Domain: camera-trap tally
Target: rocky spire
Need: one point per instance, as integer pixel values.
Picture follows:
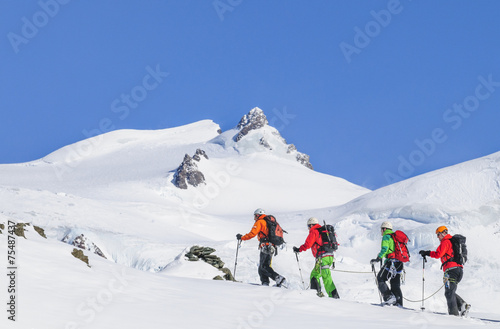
(255, 119)
(188, 172)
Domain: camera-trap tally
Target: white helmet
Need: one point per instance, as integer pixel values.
(259, 212)
(312, 221)
(386, 225)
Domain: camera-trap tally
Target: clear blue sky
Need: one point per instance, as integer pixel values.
(373, 91)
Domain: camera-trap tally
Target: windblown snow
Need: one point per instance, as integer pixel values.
(116, 190)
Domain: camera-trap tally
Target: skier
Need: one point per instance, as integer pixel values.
(453, 272)
(266, 248)
(324, 259)
(391, 270)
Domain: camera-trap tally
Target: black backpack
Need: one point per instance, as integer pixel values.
(329, 238)
(275, 231)
(459, 250)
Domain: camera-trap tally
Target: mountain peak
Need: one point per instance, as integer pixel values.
(267, 137)
(255, 119)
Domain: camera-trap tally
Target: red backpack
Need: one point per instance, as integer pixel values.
(400, 249)
(275, 231)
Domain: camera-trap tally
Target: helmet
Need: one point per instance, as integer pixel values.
(259, 212)
(312, 221)
(441, 229)
(386, 225)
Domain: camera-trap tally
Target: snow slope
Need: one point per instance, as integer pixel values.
(120, 183)
(117, 190)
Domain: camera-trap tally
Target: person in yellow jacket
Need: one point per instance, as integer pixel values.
(267, 250)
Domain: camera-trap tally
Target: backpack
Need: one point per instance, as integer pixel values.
(459, 249)
(329, 238)
(400, 248)
(275, 236)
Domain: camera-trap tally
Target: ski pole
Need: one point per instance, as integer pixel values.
(300, 270)
(236, 259)
(376, 283)
(424, 260)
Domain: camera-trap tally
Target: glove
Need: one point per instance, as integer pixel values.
(295, 249)
(424, 253)
(376, 260)
(238, 236)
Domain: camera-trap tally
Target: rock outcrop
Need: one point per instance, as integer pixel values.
(205, 253)
(303, 159)
(40, 231)
(188, 172)
(256, 119)
(78, 253)
(82, 242)
(20, 228)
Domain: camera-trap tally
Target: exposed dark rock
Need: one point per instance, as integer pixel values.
(264, 143)
(255, 119)
(205, 254)
(304, 160)
(84, 243)
(192, 258)
(78, 253)
(40, 231)
(200, 153)
(19, 229)
(188, 173)
(218, 277)
(227, 274)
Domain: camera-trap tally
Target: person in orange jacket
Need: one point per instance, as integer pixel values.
(453, 272)
(267, 250)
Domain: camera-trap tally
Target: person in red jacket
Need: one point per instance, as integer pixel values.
(453, 272)
(267, 250)
(324, 260)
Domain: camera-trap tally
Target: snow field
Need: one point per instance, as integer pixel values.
(116, 190)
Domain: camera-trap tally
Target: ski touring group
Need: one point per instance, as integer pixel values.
(452, 251)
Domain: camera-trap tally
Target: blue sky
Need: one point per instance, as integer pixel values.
(373, 91)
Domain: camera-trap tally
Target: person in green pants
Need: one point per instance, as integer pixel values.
(324, 259)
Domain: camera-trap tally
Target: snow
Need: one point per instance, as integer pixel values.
(116, 189)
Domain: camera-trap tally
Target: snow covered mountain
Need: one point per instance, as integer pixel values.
(123, 183)
(115, 197)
